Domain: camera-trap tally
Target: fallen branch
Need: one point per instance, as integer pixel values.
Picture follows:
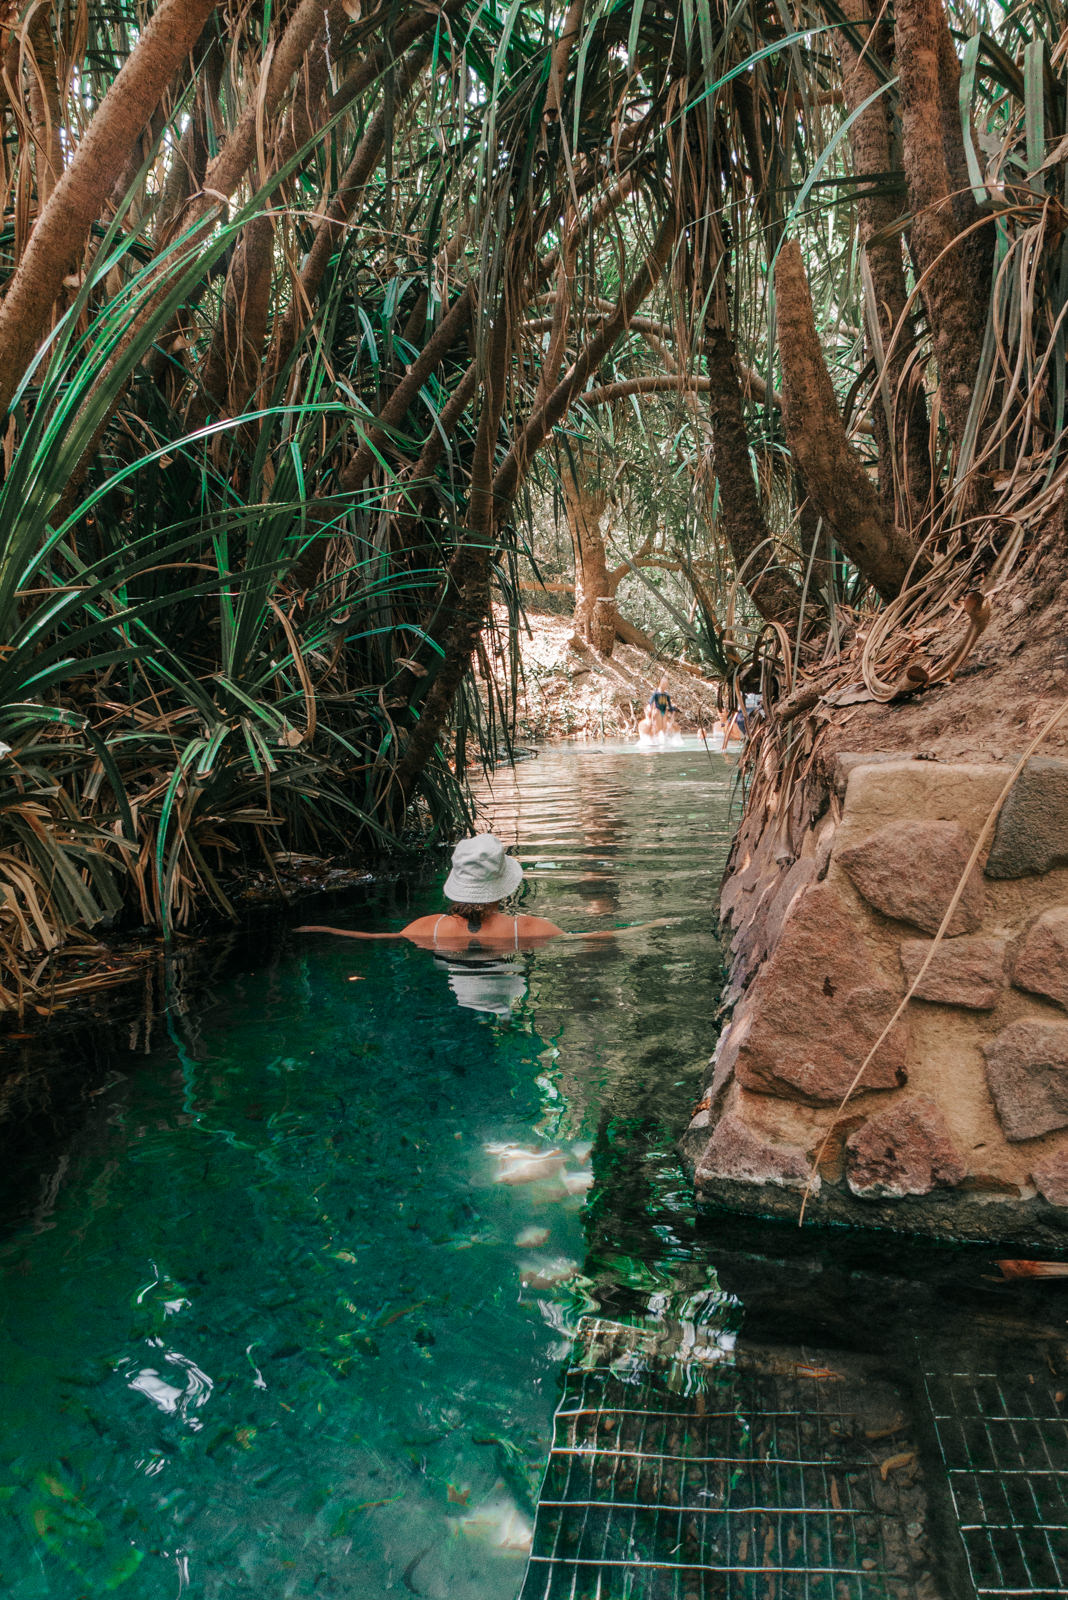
(796, 704)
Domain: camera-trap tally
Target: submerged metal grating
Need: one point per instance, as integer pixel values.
(678, 1477)
(1004, 1445)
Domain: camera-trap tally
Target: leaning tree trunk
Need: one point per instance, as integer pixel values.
(60, 234)
(466, 606)
(242, 323)
(901, 422)
(47, 118)
(771, 588)
(815, 548)
(596, 616)
(836, 479)
(194, 148)
(955, 292)
(234, 363)
(330, 229)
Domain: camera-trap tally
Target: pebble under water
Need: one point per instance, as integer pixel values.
(287, 1313)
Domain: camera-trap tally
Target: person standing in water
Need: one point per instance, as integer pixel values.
(646, 731)
(659, 706)
(482, 875)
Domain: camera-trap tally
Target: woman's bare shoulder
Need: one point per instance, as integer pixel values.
(538, 928)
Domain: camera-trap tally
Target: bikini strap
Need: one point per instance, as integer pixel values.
(437, 925)
(517, 933)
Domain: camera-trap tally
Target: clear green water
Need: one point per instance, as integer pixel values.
(272, 1327)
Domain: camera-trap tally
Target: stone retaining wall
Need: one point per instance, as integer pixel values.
(960, 1125)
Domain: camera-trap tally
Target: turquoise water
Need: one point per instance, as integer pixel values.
(274, 1325)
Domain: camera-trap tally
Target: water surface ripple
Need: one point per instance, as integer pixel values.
(288, 1315)
(281, 1321)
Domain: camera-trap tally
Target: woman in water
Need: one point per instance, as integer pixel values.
(659, 706)
(482, 875)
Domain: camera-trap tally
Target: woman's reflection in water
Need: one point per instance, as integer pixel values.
(602, 826)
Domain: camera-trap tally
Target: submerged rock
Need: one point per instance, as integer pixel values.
(547, 1274)
(498, 1522)
(517, 1164)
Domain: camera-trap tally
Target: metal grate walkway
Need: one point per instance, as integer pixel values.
(683, 1470)
(1004, 1445)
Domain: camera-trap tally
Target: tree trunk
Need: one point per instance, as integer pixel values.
(903, 428)
(467, 587)
(233, 366)
(44, 105)
(541, 423)
(954, 292)
(244, 313)
(194, 148)
(771, 588)
(438, 345)
(305, 28)
(467, 591)
(60, 234)
(815, 544)
(627, 633)
(837, 481)
(225, 172)
(595, 587)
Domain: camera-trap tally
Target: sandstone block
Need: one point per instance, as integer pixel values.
(1032, 829)
(736, 887)
(906, 1149)
(1051, 1178)
(988, 1183)
(963, 972)
(794, 882)
(848, 761)
(736, 1151)
(1041, 963)
(824, 846)
(878, 792)
(815, 1009)
(909, 871)
(1027, 1070)
(731, 1041)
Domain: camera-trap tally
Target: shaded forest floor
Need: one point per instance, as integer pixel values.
(568, 691)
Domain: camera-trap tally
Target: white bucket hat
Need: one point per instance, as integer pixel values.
(481, 872)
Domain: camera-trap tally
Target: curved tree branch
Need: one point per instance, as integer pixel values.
(62, 230)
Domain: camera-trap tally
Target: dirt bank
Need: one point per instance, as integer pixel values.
(568, 691)
(1013, 680)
